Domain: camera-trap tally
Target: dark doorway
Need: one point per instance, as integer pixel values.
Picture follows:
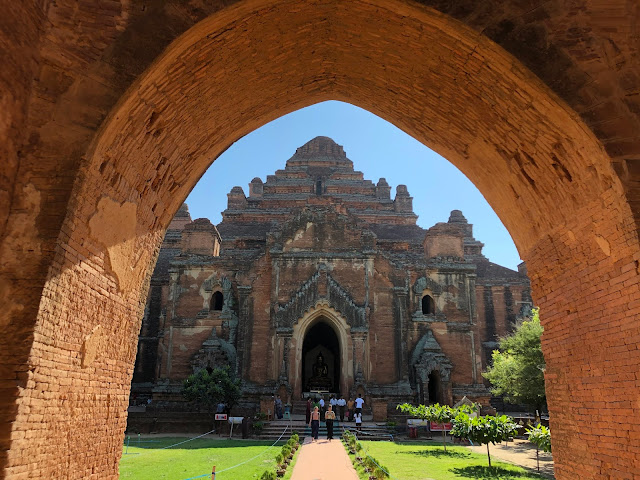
(217, 301)
(321, 359)
(428, 305)
(434, 388)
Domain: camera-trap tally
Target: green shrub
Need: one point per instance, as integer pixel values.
(380, 473)
(279, 459)
(268, 475)
(540, 436)
(286, 451)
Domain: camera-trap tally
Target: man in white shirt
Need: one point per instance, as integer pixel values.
(359, 404)
(341, 404)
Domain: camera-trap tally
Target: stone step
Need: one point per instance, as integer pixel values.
(364, 434)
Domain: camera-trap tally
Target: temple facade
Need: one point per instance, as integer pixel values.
(319, 280)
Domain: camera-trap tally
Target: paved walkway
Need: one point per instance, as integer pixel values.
(519, 452)
(323, 460)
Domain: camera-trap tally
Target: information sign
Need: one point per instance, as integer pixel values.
(438, 427)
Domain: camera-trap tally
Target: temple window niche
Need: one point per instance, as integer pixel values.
(428, 305)
(319, 186)
(217, 300)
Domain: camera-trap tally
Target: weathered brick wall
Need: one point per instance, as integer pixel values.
(74, 266)
(382, 324)
(590, 307)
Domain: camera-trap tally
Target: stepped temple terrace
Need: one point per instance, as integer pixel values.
(320, 281)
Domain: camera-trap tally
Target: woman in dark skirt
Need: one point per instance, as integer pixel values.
(308, 412)
(315, 423)
(329, 417)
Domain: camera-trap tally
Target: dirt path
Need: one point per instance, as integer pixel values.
(323, 460)
(518, 452)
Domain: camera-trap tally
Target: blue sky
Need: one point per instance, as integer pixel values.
(378, 149)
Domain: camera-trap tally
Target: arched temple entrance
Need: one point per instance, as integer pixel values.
(101, 156)
(321, 359)
(322, 331)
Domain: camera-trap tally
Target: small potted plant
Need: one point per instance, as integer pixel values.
(281, 467)
(358, 450)
(286, 453)
(268, 475)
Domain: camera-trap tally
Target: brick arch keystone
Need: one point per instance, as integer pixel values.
(540, 167)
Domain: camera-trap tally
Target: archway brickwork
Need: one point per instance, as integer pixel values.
(78, 110)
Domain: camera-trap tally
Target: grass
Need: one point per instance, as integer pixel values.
(147, 462)
(420, 461)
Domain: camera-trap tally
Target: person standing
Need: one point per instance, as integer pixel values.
(308, 412)
(278, 407)
(350, 409)
(321, 408)
(329, 417)
(358, 416)
(359, 404)
(315, 423)
(341, 404)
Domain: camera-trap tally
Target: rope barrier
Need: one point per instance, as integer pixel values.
(175, 444)
(246, 461)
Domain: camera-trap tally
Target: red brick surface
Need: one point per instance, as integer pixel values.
(72, 297)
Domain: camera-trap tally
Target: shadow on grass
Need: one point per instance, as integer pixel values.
(437, 453)
(489, 473)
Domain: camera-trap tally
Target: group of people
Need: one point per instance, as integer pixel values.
(321, 411)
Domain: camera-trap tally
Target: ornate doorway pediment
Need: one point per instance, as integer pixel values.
(320, 288)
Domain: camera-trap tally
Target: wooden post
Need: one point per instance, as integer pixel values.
(213, 473)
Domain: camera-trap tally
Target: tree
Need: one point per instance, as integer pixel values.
(208, 389)
(433, 413)
(518, 366)
(484, 430)
(540, 436)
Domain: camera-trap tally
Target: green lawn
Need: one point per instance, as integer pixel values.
(420, 461)
(196, 458)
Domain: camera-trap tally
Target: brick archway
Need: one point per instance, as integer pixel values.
(542, 169)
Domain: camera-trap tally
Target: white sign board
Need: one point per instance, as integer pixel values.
(417, 422)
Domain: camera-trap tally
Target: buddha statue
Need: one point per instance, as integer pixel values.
(320, 379)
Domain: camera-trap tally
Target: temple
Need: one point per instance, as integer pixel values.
(320, 281)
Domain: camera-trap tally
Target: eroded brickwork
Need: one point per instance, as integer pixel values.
(437, 73)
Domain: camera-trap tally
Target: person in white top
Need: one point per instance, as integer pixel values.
(359, 404)
(341, 404)
(358, 418)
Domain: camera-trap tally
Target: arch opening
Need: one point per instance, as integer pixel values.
(217, 301)
(428, 305)
(321, 362)
(557, 194)
(435, 388)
